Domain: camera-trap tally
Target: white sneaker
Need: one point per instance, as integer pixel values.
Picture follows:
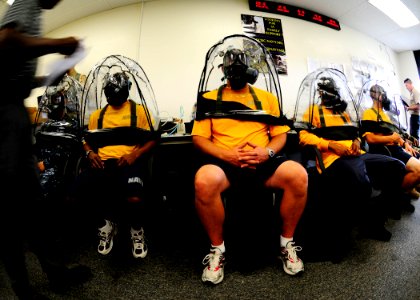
(292, 264)
(139, 244)
(214, 270)
(106, 236)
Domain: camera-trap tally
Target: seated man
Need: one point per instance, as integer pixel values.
(117, 173)
(398, 147)
(350, 173)
(236, 149)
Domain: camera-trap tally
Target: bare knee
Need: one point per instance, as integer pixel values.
(209, 182)
(293, 177)
(413, 167)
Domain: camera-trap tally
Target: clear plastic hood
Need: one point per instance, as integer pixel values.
(59, 108)
(380, 110)
(141, 91)
(327, 87)
(246, 60)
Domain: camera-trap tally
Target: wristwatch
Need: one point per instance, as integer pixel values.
(87, 152)
(271, 153)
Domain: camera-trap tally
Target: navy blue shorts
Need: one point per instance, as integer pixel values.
(243, 176)
(112, 183)
(399, 153)
(128, 180)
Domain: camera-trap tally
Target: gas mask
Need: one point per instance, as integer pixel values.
(57, 106)
(237, 70)
(330, 95)
(378, 93)
(116, 88)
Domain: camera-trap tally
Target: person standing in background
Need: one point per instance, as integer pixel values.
(81, 78)
(23, 215)
(413, 108)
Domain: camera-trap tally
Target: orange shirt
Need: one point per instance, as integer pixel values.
(371, 114)
(331, 119)
(229, 133)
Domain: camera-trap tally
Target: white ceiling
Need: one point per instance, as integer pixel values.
(357, 14)
(362, 16)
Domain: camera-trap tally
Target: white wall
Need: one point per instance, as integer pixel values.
(170, 39)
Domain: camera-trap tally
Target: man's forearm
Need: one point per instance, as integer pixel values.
(16, 43)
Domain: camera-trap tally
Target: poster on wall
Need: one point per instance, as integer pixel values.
(269, 32)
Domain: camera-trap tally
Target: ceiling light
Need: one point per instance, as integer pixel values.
(397, 11)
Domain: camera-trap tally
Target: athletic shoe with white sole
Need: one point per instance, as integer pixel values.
(106, 237)
(292, 264)
(139, 243)
(214, 270)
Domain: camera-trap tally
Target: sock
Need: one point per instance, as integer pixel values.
(284, 241)
(220, 247)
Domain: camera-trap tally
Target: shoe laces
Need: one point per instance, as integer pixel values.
(214, 260)
(291, 252)
(105, 233)
(137, 236)
(103, 237)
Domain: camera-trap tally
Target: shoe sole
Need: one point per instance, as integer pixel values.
(143, 255)
(205, 280)
(106, 252)
(287, 271)
(213, 282)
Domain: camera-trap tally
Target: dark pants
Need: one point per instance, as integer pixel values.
(349, 182)
(107, 191)
(414, 126)
(23, 215)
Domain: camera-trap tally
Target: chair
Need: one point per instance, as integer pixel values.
(317, 218)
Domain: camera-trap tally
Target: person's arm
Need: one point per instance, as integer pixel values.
(17, 44)
(208, 147)
(393, 139)
(415, 97)
(138, 151)
(233, 156)
(277, 142)
(414, 107)
(409, 149)
(93, 157)
(307, 138)
(258, 154)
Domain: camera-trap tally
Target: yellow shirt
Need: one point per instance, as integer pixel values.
(372, 115)
(331, 119)
(118, 117)
(229, 133)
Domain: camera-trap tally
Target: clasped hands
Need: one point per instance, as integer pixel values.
(248, 155)
(342, 150)
(125, 160)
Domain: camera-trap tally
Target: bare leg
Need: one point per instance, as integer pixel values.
(210, 182)
(292, 178)
(412, 178)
